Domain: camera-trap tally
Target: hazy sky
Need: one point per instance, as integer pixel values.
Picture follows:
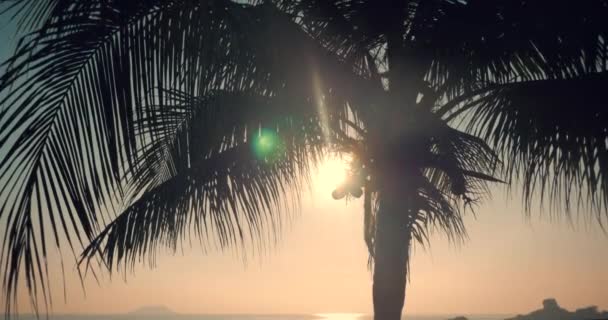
(508, 265)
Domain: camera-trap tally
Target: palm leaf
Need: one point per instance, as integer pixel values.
(203, 176)
(504, 41)
(551, 134)
(75, 93)
(230, 197)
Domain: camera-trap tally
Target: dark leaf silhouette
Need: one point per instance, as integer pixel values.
(126, 126)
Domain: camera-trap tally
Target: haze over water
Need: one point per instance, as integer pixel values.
(325, 316)
(508, 266)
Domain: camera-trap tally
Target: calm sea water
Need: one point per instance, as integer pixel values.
(327, 316)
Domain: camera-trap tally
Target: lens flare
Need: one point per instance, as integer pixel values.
(266, 145)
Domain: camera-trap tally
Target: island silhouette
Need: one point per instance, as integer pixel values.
(552, 311)
(153, 310)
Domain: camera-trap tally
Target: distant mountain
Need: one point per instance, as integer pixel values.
(153, 310)
(552, 311)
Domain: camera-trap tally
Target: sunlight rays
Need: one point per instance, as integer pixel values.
(321, 107)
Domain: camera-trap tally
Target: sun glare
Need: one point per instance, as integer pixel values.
(331, 173)
(340, 316)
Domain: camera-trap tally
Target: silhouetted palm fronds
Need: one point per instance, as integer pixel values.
(127, 125)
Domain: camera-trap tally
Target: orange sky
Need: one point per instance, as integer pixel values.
(507, 266)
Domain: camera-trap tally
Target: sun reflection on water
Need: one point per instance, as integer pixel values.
(341, 316)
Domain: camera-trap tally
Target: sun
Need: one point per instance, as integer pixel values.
(330, 174)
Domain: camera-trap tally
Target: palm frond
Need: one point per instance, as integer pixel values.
(31, 14)
(75, 91)
(552, 134)
(193, 128)
(506, 41)
(352, 28)
(453, 175)
(461, 164)
(231, 198)
(522, 76)
(204, 177)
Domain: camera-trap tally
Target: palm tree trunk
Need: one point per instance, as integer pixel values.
(391, 254)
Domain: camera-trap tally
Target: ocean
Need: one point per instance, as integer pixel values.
(324, 316)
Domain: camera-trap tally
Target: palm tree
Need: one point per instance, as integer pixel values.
(130, 125)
